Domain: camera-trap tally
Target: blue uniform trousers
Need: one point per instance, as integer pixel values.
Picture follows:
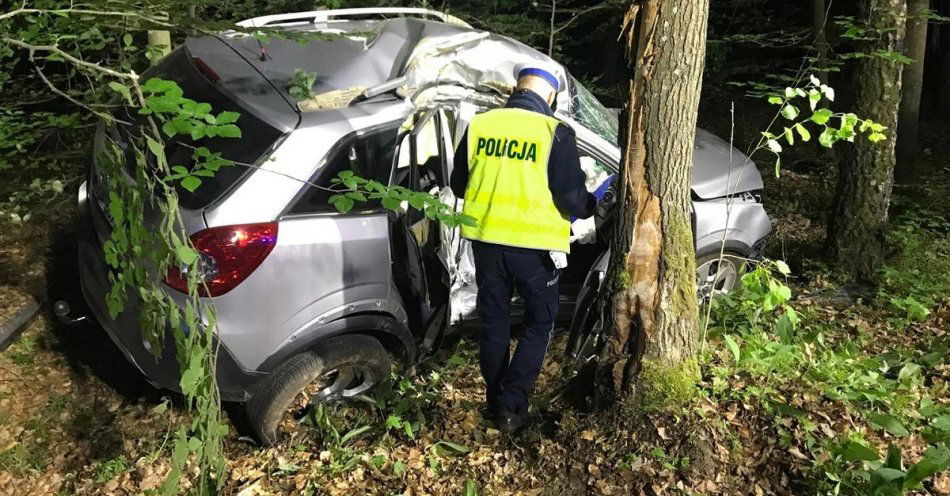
(499, 270)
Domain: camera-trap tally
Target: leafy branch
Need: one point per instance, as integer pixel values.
(813, 94)
(393, 198)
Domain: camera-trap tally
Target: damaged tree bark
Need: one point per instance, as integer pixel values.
(650, 308)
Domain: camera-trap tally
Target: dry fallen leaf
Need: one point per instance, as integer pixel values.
(797, 453)
(587, 435)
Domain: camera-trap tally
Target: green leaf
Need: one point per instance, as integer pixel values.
(399, 468)
(186, 254)
(391, 203)
(229, 131)
(821, 116)
(127, 39)
(191, 183)
(790, 92)
(942, 423)
(877, 137)
(470, 488)
(829, 92)
(456, 447)
(155, 147)
(774, 146)
(789, 136)
(936, 459)
(778, 165)
(227, 117)
(354, 433)
(803, 132)
(467, 220)
(856, 452)
(417, 201)
(889, 474)
(782, 267)
(827, 138)
(121, 89)
(888, 423)
(776, 100)
(733, 347)
(790, 112)
(168, 127)
(342, 203)
(393, 422)
(813, 98)
(909, 370)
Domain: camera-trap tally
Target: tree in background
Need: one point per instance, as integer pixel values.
(855, 238)
(819, 17)
(651, 303)
(915, 48)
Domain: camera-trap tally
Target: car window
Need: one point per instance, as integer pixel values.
(369, 156)
(587, 110)
(428, 149)
(257, 136)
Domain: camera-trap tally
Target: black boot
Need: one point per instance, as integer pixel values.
(507, 422)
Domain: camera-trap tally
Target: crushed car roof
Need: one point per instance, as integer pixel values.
(357, 53)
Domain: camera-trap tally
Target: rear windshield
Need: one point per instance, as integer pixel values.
(257, 136)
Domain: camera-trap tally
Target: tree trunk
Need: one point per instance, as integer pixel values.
(915, 47)
(819, 27)
(943, 87)
(650, 299)
(855, 235)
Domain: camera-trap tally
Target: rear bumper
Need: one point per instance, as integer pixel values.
(235, 383)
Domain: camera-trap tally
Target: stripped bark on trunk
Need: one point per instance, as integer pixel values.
(650, 299)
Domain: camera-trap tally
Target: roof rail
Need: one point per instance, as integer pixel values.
(322, 16)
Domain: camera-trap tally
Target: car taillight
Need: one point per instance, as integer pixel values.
(227, 256)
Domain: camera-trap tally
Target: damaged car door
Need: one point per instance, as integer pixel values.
(421, 164)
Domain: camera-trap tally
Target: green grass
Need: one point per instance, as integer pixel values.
(23, 351)
(104, 471)
(795, 365)
(24, 459)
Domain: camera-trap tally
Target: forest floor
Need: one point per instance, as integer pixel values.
(792, 414)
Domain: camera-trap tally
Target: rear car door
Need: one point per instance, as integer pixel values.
(326, 265)
(421, 164)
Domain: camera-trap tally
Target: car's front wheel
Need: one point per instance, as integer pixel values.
(717, 274)
(340, 368)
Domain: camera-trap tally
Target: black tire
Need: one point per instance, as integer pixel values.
(283, 395)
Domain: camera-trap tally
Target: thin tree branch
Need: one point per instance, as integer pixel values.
(158, 21)
(63, 94)
(53, 49)
(577, 15)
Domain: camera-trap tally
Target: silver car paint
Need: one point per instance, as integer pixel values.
(329, 265)
(322, 268)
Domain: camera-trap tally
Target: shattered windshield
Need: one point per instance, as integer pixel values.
(592, 114)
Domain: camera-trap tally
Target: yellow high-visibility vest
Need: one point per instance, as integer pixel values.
(507, 191)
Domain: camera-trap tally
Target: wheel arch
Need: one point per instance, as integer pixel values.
(394, 336)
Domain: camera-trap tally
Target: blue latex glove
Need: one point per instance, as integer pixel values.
(600, 191)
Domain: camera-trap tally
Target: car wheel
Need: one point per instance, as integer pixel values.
(715, 274)
(340, 368)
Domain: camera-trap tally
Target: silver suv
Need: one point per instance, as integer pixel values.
(313, 304)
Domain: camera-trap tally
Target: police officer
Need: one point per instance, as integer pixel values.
(518, 170)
